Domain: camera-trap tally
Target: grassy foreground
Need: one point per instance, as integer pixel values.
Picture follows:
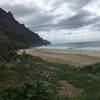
(31, 78)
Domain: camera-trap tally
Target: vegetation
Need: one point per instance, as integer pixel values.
(92, 69)
(88, 83)
(8, 48)
(25, 77)
(33, 90)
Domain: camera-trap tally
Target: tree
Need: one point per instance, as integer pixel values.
(8, 49)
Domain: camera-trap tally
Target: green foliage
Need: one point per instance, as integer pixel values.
(8, 48)
(88, 83)
(14, 72)
(92, 69)
(9, 92)
(34, 90)
(43, 90)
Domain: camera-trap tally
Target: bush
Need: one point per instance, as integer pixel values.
(92, 69)
(8, 48)
(34, 90)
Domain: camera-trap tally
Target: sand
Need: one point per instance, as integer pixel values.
(77, 58)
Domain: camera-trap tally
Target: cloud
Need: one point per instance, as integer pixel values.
(95, 24)
(31, 16)
(20, 10)
(78, 4)
(80, 19)
(39, 20)
(76, 21)
(53, 9)
(53, 16)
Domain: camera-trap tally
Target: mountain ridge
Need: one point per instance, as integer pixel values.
(18, 32)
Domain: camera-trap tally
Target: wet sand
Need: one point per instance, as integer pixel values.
(77, 58)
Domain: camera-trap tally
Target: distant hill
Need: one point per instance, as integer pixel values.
(18, 32)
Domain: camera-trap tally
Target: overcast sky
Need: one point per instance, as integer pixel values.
(58, 20)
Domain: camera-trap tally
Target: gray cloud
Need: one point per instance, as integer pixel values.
(47, 15)
(95, 24)
(96, 27)
(76, 21)
(39, 20)
(20, 10)
(78, 4)
(72, 4)
(33, 15)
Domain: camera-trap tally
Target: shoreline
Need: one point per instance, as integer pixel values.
(76, 58)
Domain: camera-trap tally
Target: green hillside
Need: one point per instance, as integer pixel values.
(25, 77)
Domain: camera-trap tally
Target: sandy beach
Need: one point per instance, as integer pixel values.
(77, 58)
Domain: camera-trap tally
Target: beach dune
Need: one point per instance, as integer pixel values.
(77, 58)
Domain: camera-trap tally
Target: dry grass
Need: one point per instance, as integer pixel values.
(68, 89)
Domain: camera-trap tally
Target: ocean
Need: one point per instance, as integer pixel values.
(92, 45)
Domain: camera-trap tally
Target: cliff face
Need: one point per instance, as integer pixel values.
(18, 32)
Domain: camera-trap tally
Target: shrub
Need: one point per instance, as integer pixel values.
(34, 90)
(92, 69)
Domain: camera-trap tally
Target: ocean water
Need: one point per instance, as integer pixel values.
(93, 45)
